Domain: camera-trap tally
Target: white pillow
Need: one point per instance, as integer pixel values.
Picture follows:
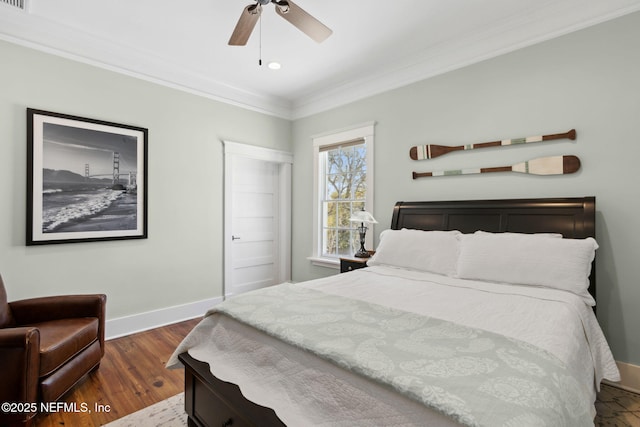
(432, 251)
(528, 259)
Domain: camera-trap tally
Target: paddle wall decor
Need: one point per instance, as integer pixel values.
(430, 151)
(554, 165)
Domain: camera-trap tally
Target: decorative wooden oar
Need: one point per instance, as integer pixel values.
(556, 165)
(422, 152)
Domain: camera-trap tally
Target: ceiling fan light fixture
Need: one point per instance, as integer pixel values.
(273, 65)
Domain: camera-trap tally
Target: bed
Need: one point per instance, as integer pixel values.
(242, 370)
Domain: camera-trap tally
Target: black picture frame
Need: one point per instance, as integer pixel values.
(86, 179)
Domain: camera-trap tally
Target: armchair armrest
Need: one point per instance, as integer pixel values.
(19, 365)
(19, 338)
(36, 310)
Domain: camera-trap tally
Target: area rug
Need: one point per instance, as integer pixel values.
(168, 413)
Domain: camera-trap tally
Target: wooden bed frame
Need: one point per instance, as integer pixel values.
(212, 402)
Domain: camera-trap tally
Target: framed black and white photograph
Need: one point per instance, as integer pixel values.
(86, 179)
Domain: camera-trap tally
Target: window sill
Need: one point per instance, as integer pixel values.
(325, 262)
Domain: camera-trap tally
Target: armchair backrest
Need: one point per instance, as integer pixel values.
(6, 319)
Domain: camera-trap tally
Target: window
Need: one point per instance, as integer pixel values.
(343, 172)
(343, 183)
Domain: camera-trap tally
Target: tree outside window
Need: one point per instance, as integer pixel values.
(343, 166)
(345, 170)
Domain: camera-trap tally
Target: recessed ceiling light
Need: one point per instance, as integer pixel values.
(274, 65)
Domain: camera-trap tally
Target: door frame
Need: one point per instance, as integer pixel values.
(284, 160)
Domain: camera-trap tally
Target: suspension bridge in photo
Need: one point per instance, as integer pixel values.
(131, 175)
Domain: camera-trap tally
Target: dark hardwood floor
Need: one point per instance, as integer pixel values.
(132, 376)
(617, 407)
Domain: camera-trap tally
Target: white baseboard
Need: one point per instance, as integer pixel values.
(630, 377)
(128, 325)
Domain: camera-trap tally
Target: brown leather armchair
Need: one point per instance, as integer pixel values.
(46, 346)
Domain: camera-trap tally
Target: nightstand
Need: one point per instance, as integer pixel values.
(350, 264)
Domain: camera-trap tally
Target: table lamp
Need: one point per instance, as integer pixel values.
(362, 217)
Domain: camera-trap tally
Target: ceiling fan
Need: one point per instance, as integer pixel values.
(285, 8)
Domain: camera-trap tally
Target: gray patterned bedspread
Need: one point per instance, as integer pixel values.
(476, 377)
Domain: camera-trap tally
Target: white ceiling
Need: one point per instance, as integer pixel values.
(376, 45)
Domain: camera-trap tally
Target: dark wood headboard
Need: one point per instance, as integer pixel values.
(572, 217)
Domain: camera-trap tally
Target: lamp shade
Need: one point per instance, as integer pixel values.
(362, 216)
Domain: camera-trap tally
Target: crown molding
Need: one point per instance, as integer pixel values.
(516, 34)
(547, 20)
(45, 35)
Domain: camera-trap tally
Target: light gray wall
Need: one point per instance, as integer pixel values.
(181, 261)
(588, 80)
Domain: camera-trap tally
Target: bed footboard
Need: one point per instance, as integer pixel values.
(211, 402)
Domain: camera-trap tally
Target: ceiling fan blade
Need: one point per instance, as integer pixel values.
(245, 25)
(304, 22)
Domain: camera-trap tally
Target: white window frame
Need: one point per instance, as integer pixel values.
(365, 132)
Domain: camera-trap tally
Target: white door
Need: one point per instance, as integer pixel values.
(257, 222)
